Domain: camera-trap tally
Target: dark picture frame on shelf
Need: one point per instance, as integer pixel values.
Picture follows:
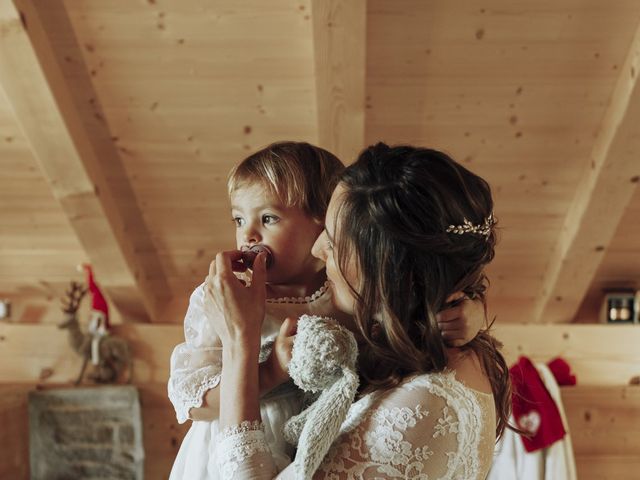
(621, 307)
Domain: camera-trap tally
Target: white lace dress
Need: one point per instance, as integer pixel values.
(429, 427)
(195, 368)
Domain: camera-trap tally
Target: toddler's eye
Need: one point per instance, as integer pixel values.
(329, 245)
(239, 221)
(269, 219)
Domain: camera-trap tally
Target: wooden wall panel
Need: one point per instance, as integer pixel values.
(516, 91)
(340, 42)
(14, 434)
(38, 248)
(41, 353)
(620, 267)
(188, 90)
(162, 433)
(605, 426)
(604, 420)
(74, 149)
(603, 194)
(598, 354)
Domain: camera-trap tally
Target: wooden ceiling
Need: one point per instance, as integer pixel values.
(120, 119)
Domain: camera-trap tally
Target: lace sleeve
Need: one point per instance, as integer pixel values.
(429, 428)
(195, 364)
(242, 453)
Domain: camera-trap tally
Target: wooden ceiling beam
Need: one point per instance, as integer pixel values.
(339, 40)
(68, 134)
(603, 194)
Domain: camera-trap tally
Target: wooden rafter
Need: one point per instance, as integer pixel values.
(68, 134)
(600, 201)
(339, 38)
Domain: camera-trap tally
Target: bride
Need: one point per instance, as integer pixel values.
(405, 228)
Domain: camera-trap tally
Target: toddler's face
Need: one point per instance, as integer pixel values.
(260, 218)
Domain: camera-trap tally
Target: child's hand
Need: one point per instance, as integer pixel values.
(239, 308)
(460, 323)
(277, 365)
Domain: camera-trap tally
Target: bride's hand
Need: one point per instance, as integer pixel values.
(241, 308)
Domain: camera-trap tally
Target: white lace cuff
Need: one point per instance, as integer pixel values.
(188, 392)
(236, 447)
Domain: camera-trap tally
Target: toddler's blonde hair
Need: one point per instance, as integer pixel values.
(297, 173)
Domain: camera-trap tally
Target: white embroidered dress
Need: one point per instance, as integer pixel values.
(196, 365)
(429, 427)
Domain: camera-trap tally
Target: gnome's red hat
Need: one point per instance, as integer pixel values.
(98, 302)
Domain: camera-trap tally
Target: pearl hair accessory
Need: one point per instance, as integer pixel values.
(323, 360)
(467, 227)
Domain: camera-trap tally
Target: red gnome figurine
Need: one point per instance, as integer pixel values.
(99, 320)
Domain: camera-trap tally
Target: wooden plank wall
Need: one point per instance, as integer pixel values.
(599, 354)
(605, 428)
(14, 438)
(603, 413)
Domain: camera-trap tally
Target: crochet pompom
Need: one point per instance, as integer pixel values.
(322, 349)
(323, 359)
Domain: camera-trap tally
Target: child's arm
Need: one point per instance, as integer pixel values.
(461, 322)
(272, 373)
(210, 409)
(196, 364)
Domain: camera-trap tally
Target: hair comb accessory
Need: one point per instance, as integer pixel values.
(323, 359)
(483, 229)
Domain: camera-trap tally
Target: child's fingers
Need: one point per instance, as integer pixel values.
(456, 297)
(224, 269)
(259, 277)
(238, 266)
(451, 329)
(289, 327)
(449, 315)
(453, 335)
(455, 342)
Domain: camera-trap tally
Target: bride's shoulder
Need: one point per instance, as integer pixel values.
(443, 386)
(468, 369)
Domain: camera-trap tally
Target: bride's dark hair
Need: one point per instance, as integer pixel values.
(397, 206)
